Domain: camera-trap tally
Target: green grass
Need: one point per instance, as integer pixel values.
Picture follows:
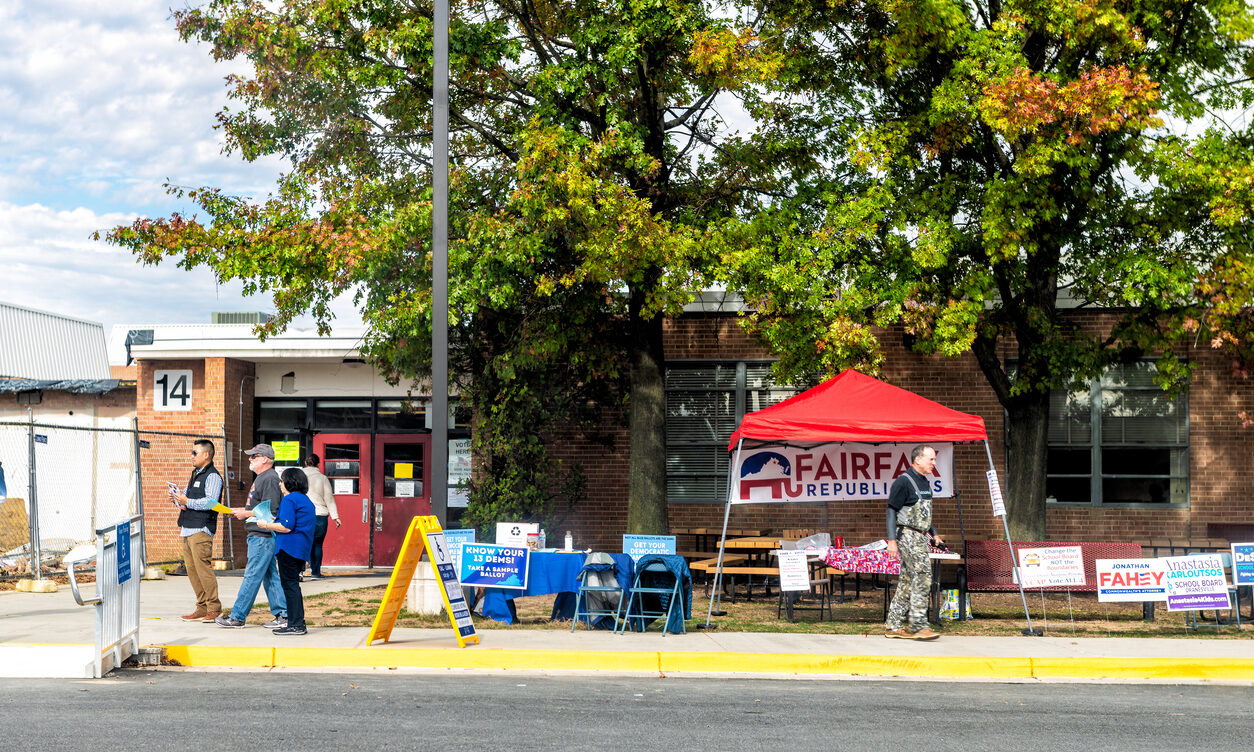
(999, 614)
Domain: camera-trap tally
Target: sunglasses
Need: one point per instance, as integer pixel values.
(196, 452)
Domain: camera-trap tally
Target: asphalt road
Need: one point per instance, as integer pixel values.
(171, 710)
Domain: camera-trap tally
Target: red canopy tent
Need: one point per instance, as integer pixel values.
(851, 407)
(856, 407)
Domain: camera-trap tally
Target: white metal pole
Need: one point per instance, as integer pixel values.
(1014, 561)
(716, 586)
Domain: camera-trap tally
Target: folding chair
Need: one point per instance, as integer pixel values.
(1195, 619)
(653, 579)
(600, 595)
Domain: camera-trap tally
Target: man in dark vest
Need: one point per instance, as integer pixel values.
(197, 525)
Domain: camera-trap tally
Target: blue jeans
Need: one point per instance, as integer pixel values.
(320, 534)
(260, 570)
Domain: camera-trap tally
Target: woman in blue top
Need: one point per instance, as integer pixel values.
(294, 525)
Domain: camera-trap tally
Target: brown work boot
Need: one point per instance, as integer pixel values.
(196, 615)
(923, 634)
(898, 633)
(209, 617)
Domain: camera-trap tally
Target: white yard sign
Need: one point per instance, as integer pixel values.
(1058, 566)
(1129, 580)
(794, 573)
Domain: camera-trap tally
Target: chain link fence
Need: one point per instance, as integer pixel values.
(60, 483)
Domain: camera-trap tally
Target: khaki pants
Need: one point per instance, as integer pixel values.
(198, 560)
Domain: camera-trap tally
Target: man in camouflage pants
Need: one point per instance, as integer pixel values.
(909, 521)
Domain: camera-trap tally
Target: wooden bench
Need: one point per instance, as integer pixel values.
(989, 569)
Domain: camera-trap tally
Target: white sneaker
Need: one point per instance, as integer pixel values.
(277, 622)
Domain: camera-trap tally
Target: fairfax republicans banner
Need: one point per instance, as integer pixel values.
(832, 472)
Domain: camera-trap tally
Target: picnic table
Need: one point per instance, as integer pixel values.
(704, 538)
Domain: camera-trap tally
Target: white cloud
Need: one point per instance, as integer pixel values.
(51, 263)
(100, 104)
(105, 102)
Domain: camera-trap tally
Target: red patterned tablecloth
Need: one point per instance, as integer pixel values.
(861, 560)
(871, 562)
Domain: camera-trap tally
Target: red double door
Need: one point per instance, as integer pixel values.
(380, 483)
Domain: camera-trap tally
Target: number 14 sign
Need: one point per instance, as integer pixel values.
(172, 390)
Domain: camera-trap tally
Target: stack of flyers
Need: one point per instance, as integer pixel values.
(262, 513)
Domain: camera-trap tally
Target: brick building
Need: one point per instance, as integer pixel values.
(1126, 461)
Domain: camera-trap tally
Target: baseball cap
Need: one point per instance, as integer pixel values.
(265, 450)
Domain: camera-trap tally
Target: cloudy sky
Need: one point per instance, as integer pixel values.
(100, 105)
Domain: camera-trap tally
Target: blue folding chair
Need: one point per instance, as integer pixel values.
(656, 592)
(600, 594)
(1197, 619)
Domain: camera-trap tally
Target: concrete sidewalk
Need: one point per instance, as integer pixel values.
(47, 633)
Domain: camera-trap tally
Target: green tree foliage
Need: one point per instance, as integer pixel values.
(592, 182)
(987, 161)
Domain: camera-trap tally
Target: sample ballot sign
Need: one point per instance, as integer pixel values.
(426, 535)
(486, 565)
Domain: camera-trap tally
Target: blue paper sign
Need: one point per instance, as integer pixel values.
(455, 540)
(636, 546)
(486, 565)
(124, 551)
(1242, 564)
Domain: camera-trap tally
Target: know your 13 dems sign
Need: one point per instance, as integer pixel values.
(833, 472)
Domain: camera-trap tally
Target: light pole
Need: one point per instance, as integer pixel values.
(439, 269)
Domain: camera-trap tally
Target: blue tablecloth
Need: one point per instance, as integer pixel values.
(548, 572)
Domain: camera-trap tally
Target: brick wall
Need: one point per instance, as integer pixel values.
(214, 409)
(1217, 397)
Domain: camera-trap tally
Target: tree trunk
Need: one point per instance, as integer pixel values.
(1026, 448)
(646, 490)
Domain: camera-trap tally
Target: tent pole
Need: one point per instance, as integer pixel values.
(717, 586)
(1014, 560)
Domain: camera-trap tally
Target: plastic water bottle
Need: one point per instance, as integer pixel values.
(542, 546)
(570, 542)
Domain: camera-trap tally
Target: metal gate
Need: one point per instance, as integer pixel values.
(119, 568)
(63, 482)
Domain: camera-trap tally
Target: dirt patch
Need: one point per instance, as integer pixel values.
(1079, 615)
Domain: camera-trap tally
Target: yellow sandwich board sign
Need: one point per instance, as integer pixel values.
(424, 534)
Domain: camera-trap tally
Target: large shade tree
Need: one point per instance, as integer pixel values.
(593, 179)
(992, 160)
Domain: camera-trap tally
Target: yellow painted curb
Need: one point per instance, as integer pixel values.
(222, 657)
(853, 665)
(956, 667)
(531, 660)
(1241, 669)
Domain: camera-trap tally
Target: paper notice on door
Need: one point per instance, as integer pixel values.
(404, 489)
(403, 470)
(342, 486)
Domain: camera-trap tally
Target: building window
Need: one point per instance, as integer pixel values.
(282, 415)
(704, 404)
(1123, 441)
(342, 415)
(402, 415)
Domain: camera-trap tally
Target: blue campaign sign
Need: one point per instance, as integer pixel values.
(1242, 564)
(636, 546)
(455, 540)
(124, 551)
(486, 565)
